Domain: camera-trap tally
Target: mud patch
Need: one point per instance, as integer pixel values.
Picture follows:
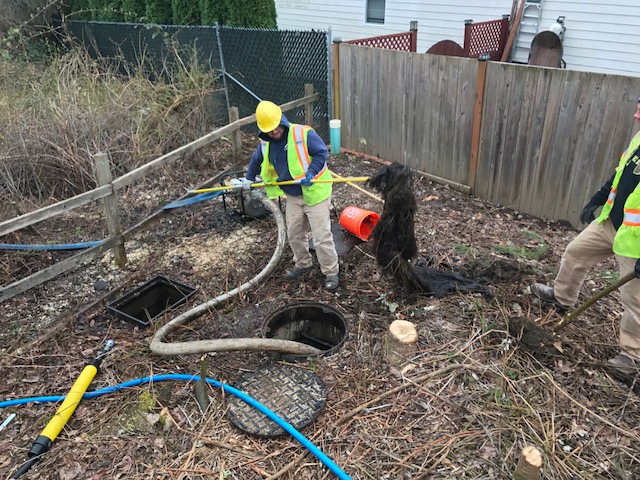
(535, 340)
(492, 270)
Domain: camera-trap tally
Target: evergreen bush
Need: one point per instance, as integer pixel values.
(252, 13)
(238, 13)
(133, 10)
(185, 12)
(159, 12)
(212, 11)
(80, 9)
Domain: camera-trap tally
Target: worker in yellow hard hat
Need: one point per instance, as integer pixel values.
(289, 151)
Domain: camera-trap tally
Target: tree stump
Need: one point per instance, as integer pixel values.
(401, 342)
(529, 465)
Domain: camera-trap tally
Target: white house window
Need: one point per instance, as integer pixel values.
(375, 11)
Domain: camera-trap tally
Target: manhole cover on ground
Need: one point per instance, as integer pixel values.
(294, 394)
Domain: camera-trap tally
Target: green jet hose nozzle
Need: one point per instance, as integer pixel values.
(45, 440)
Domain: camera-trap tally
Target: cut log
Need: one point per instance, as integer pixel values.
(529, 465)
(401, 342)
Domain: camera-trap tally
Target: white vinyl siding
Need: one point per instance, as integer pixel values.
(601, 37)
(439, 20)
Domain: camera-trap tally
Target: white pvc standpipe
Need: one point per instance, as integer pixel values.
(334, 134)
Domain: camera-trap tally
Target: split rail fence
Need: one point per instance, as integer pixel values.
(108, 187)
(539, 140)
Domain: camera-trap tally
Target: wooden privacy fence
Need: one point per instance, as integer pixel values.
(408, 107)
(107, 193)
(539, 140)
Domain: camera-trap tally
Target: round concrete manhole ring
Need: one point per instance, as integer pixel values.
(315, 324)
(296, 395)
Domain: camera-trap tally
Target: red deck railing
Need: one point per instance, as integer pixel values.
(405, 41)
(486, 37)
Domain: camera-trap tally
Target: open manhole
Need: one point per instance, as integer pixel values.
(296, 395)
(151, 300)
(314, 324)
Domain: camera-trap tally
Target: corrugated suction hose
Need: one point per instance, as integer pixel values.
(160, 346)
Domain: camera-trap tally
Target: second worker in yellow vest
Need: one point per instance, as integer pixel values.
(290, 151)
(615, 231)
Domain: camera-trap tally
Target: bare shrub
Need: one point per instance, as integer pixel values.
(14, 13)
(55, 117)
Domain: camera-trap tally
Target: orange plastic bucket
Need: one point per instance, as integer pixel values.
(359, 222)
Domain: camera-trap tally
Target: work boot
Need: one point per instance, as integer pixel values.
(296, 271)
(623, 364)
(332, 282)
(545, 294)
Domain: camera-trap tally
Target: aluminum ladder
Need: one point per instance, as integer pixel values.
(528, 28)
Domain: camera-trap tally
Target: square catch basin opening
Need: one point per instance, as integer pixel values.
(151, 300)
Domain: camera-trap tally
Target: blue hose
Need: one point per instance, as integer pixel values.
(330, 464)
(191, 200)
(77, 246)
(60, 246)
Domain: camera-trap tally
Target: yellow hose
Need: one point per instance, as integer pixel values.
(286, 182)
(60, 419)
(45, 440)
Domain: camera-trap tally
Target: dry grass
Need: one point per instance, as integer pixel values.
(54, 117)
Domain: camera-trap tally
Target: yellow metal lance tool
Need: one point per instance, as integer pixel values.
(46, 438)
(286, 182)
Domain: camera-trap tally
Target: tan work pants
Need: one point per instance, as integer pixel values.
(300, 217)
(593, 245)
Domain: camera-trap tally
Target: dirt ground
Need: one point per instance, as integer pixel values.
(463, 406)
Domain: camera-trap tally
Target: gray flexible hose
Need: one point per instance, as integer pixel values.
(159, 346)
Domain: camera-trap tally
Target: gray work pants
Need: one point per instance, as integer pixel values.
(593, 245)
(300, 217)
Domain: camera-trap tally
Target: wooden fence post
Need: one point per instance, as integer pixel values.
(336, 78)
(308, 107)
(104, 176)
(236, 139)
(413, 28)
(477, 121)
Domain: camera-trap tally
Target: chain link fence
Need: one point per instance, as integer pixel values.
(275, 65)
(252, 64)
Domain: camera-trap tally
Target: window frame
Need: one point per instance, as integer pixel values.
(369, 19)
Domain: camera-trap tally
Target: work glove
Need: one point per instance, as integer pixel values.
(587, 215)
(241, 183)
(638, 268)
(306, 181)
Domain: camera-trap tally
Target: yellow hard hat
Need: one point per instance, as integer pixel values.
(268, 116)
